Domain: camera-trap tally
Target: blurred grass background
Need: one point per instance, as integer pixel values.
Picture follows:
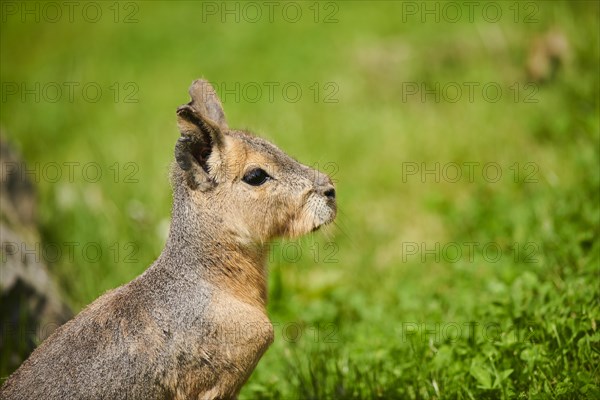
(362, 317)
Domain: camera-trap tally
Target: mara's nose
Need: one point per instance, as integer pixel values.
(325, 186)
(330, 193)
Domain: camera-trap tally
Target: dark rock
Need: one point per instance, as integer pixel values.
(30, 304)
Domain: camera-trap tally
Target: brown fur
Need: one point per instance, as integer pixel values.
(194, 325)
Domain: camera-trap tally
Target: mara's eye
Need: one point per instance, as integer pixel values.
(256, 177)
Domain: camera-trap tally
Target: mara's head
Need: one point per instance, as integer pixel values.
(254, 188)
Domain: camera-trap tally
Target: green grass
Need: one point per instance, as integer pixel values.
(382, 312)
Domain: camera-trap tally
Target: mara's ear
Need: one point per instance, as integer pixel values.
(202, 124)
(206, 102)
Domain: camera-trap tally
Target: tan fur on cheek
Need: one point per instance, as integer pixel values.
(301, 223)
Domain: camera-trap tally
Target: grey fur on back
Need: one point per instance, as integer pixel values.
(194, 324)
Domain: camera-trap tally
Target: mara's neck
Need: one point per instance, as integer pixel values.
(200, 245)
